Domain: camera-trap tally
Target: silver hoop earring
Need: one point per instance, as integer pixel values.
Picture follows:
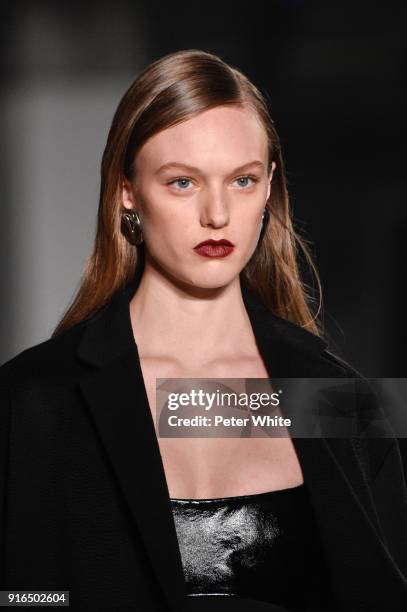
(264, 221)
(131, 227)
(265, 217)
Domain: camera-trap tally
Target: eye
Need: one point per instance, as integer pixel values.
(182, 182)
(243, 180)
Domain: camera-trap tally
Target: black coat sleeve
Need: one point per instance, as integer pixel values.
(4, 438)
(385, 464)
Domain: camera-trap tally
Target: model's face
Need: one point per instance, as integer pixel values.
(201, 179)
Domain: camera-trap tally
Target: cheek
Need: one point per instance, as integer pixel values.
(250, 219)
(167, 229)
(248, 230)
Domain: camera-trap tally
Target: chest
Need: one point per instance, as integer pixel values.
(219, 466)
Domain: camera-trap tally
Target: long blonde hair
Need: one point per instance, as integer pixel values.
(173, 89)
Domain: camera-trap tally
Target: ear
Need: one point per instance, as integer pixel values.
(127, 194)
(273, 167)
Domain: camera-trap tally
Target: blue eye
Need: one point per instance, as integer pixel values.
(181, 181)
(246, 178)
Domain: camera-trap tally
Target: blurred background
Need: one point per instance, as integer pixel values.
(335, 77)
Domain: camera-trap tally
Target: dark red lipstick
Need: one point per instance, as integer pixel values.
(214, 248)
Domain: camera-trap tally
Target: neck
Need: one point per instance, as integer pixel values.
(174, 319)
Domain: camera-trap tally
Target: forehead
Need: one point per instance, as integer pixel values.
(213, 139)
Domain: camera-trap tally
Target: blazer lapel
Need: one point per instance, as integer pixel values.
(115, 393)
(362, 569)
(116, 396)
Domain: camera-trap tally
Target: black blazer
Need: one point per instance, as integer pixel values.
(83, 497)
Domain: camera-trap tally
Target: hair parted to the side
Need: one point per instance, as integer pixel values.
(170, 90)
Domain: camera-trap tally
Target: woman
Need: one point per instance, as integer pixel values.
(94, 500)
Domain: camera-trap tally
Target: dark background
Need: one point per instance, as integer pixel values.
(335, 77)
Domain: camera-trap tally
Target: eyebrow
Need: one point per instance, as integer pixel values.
(180, 165)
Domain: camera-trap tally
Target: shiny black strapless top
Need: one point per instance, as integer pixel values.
(263, 546)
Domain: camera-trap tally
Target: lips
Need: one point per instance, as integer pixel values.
(214, 248)
(211, 241)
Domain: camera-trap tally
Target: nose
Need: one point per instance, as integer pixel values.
(215, 208)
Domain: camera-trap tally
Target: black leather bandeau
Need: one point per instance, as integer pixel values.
(263, 546)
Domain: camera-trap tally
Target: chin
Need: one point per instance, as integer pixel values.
(195, 277)
(212, 281)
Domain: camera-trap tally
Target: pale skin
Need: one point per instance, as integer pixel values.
(188, 314)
